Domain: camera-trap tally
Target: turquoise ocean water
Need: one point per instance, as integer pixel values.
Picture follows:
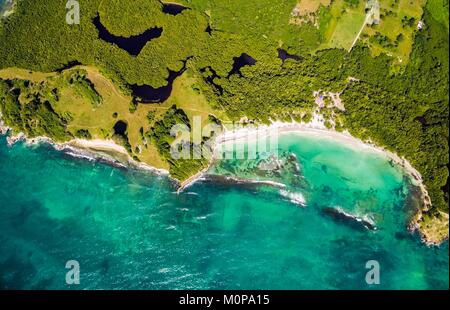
(130, 230)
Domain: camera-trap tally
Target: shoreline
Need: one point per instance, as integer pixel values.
(112, 153)
(314, 128)
(110, 149)
(193, 179)
(97, 149)
(317, 128)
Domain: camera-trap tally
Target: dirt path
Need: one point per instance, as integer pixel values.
(369, 14)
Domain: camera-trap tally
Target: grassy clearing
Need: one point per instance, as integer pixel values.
(340, 23)
(343, 25)
(395, 33)
(187, 96)
(16, 73)
(99, 120)
(347, 29)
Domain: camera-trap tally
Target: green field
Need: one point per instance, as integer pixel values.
(99, 120)
(340, 24)
(393, 36)
(347, 28)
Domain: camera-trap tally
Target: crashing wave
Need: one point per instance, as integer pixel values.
(339, 214)
(80, 155)
(295, 198)
(89, 155)
(192, 194)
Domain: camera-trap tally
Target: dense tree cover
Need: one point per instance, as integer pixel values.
(408, 113)
(33, 114)
(253, 27)
(403, 108)
(84, 87)
(145, 14)
(50, 43)
(439, 10)
(264, 21)
(162, 136)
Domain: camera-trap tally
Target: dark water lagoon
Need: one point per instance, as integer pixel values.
(173, 8)
(148, 94)
(134, 44)
(240, 62)
(284, 55)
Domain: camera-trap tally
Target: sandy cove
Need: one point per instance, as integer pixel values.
(318, 129)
